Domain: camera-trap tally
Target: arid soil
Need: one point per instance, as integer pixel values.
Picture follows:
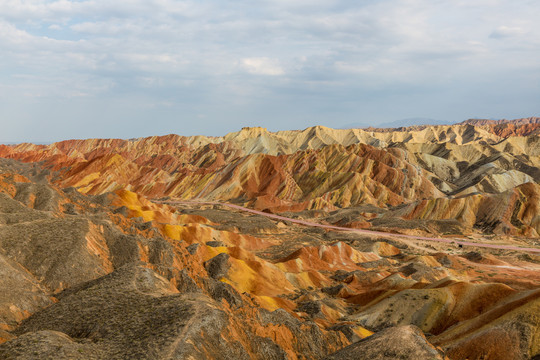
(128, 249)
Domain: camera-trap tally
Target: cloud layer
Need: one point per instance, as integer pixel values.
(141, 67)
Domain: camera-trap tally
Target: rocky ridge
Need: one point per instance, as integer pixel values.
(317, 168)
(103, 271)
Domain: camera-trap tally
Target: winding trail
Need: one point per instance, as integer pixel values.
(362, 231)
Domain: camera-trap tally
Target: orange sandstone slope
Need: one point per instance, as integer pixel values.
(151, 165)
(98, 272)
(314, 179)
(449, 168)
(323, 178)
(514, 212)
(507, 128)
(91, 282)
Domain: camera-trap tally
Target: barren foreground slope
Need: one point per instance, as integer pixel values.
(108, 251)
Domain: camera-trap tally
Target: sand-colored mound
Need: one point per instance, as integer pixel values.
(512, 212)
(333, 257)
(432, 309)
(21, 294)
(49, 344)
(508, 330)
(404, 342)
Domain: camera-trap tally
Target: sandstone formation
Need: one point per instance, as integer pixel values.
(318, 168)
(114, 249)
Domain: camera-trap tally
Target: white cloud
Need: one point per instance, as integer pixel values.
(9, 34)
(321, 59)
(359, 68)
(262, 66)
(506, 31)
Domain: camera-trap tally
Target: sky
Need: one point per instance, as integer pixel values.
(133, 68)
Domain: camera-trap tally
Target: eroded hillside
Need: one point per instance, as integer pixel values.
(95, 267)
(317, 168)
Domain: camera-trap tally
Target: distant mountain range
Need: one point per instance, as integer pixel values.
(416, 121)
(419, 121)
(22, 142)
(480, 122)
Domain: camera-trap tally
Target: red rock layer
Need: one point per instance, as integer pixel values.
(324, 178)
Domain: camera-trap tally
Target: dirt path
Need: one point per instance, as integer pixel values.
(362, 231)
